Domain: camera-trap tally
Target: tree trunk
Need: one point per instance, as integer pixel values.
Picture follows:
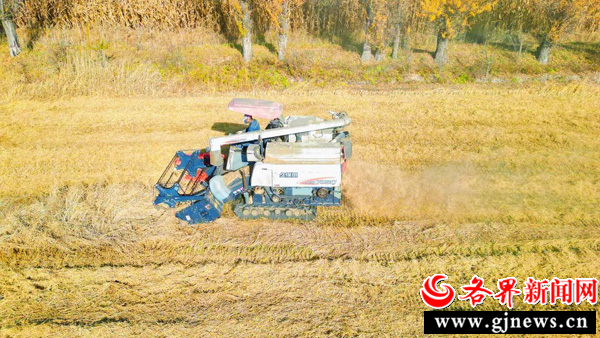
(543, 51)
(10, 31)
(247, 38)
(409, 61)
(488, 60)
(517, 40)
(520, 37)
(406, 41)
(396, 41)
(379, 54)
(406, 45)
(366, 53)
(284, 21)
(440, 51)
(520, 48)
(11, 34)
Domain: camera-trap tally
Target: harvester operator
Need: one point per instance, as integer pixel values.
(253, 124)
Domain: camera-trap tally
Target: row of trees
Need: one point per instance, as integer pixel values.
(546, 20)
(381, 22)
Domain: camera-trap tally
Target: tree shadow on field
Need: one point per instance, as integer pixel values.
(423, 51)
(34, 32)
(270, 47)
(237, 46)
(227, 128)
(510, 47)
(261, 40)
(349, 43)
(589, 50)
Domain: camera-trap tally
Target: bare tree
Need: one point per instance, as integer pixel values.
(450, 15)
(512, 15)
(397, 37)
(545, 20)
(443, 39)
(284, 29)
(403, 14)
(6, 16)
(375, 29)
(548, 19)
(379, 28)
(247, 30)
(366, 52)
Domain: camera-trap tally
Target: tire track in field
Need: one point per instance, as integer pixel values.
(292, 297)
(285, 242)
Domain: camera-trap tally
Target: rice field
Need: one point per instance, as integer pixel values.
(496, 180)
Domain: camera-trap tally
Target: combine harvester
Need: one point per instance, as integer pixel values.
(283, 172)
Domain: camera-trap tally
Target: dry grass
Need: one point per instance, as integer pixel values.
(160, 14)
(106, 61)
(493, 180)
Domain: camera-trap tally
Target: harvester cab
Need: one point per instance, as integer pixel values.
(282, 172)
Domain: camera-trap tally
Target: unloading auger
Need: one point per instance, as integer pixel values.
(283, 172)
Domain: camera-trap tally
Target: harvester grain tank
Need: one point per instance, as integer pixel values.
(283, 172)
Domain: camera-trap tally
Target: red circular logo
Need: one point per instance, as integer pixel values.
(434, 297)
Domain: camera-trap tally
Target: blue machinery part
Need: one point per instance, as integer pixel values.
(185, 182)
(209, 206)
(200, 192)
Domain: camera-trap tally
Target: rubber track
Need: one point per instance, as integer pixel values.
(246, 211)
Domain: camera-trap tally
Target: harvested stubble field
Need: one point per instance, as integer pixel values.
(493, 180)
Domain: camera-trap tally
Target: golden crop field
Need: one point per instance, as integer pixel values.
(495, 180)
